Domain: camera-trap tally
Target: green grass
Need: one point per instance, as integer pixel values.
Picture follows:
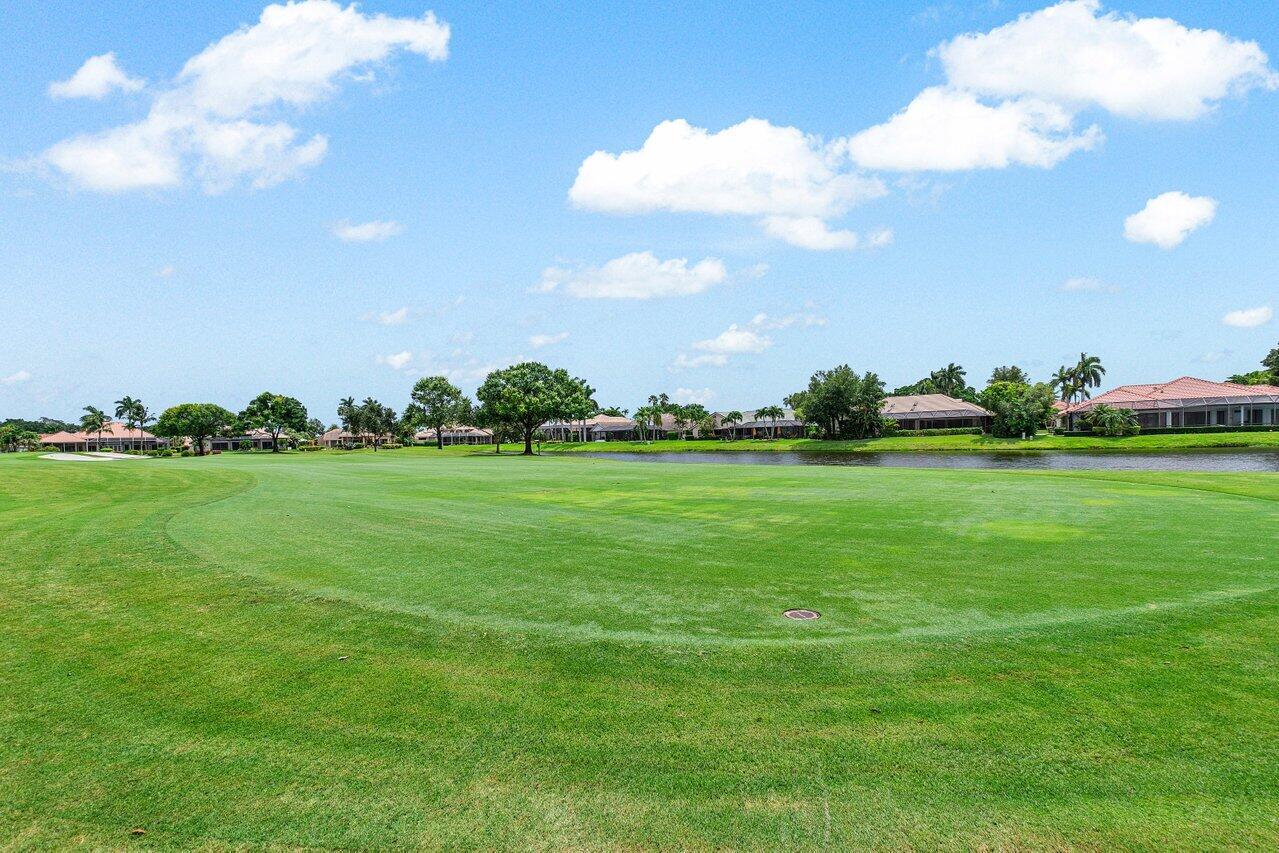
(936, 443)
(416, 649)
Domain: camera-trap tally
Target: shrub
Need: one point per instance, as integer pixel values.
(1107, 420)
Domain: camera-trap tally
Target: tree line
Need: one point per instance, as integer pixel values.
(514, 402)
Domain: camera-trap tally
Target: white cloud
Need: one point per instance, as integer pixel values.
(1214, 356)
(1168, 219)
(744, 339)
(754, 168)
(639, 275)
(393, 318)
(396, 361)
(734, 340)
(1084, 284)
(684, 361)
(211, 120)
(367, 232)
(1071, 54)
(15, 378)
(538, 341)
(1011, 95)
(946, 129)
(1247, 318)
(765, 321)
(98, 77)
(166, 271)
(809, 232)
(694, 395)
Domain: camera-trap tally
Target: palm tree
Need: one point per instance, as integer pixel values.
(1064, 381)
(348, 415)
(732, 418)
(94, 420)
(642, 415)
(658, 405)
(127, 408)
(771, 414)
(142, 416)
(1089, 371)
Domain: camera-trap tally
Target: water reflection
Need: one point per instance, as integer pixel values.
(1198, 460)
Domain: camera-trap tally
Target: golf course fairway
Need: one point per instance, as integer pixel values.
(431, 649)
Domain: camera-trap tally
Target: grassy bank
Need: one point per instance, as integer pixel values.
(940, 443)
(414, 649)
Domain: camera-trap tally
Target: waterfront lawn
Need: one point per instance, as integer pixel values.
(423, 649)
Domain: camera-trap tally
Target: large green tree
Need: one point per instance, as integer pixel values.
(842, 403)
(1018, 409)
(527, 395)
(376, 420)
(1271, 363)
(275, 413)
(196, 421)
(13, 438)
(1009, 373)
(438, 403)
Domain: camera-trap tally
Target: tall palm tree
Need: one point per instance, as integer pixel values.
(732, 418)
(1064, 381)
(1089, 371)
(94, 420)
(142, 415)
(658, 405)
(126, 408)
(771, 414)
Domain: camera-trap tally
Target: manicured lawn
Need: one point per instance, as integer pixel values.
(423, 649)
(934, 443)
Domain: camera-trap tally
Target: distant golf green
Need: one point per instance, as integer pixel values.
(423, 649)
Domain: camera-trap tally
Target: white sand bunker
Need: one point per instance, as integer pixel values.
(94, 456)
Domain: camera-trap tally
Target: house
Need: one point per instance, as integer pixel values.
(460, 434)
(934, 411)
(788, 425)
(115, 436)
(1186, 402)
(598, 428)
(338, 437)
(258, 439)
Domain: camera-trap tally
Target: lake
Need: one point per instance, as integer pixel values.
(1188, 460)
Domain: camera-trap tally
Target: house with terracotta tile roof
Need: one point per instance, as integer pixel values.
(115, 436)
(1186, 402)
(934, 411)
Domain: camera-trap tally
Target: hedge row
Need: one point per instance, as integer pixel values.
(1181, 430)
(943, 431)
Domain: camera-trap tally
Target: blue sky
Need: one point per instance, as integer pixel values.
(178, 274)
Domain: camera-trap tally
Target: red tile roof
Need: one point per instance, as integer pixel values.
(1185, 391)
(114, 429)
